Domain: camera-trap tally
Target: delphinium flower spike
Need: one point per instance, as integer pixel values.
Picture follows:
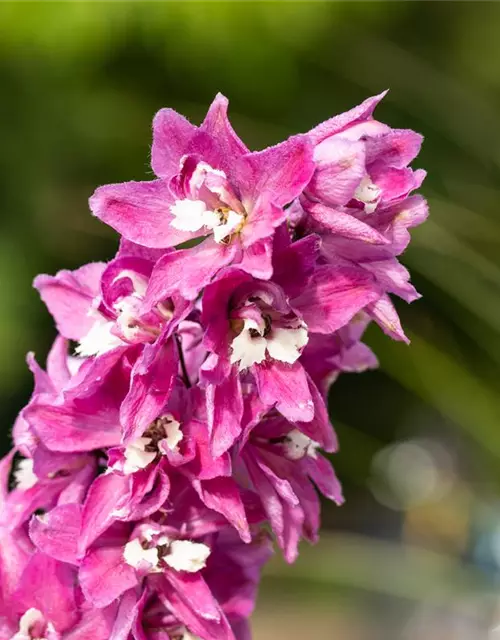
(156, 462)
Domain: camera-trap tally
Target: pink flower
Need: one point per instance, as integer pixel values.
(192, 416)
(209, 185)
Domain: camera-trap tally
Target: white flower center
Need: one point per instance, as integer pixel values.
(187, 556)
(30, 619)
(173, 433)
(136, 555)
(136, 456)
(193, 215)
(180, 555)
(368, 193)
(186, 635)
(24, 475)
(99, 339)
(298, 445)
(250, 345)
(142, 451)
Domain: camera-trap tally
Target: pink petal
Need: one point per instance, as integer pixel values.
(257, 259)
(287, 387)
(217, 125)
(48, 585)
(340, 166)
(352, 117)
(319, 428)
(334, 295)
(344, 224)
(195, 593)
(140, 211)
(56, 532)
(386, 316)
(225, 411)
(69, 295)
(265, 217)
(171, 136)
(107, 494)
(223, 495)
(76, 426)
(187, 612)
(187, 271)
(57, 363)
(104, 575)
(282, 171)
(321, 472)
(397, 148)
(151, 383)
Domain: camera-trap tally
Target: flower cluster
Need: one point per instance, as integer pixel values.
(179, 424)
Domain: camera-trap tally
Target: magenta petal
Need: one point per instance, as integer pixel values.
(140, 211)
(282, 171)
(57, 363)
(56, 533)
(76, 427)
(151, 383)
(48, 585)
(287, 387)
(215, 303)
(397, 148)
(217, 125)
(187, 613)
(225, 411)
(280, 504)
(187, 271)
(295, 263)
(149, 491)
(319, 428)
(108, 493)
(171, 136)
(69, 296)
(195, 592)
(14, 557)
(104, 575)
(129, 608)
(334, 295)
(96, 624)
(257, 259)
(321, 472)
(386, 316)
(223, 495)
(265, 217)
(343, 224)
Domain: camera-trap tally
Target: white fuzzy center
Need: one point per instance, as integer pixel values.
(193, 215)
(24, 475)
(187, 556)
(368, 193)
(136, 556)
(136, 456)
(99, 339)
(298, 445)
(31, 618)
(173, 433)
(180, 555)
(250, 346)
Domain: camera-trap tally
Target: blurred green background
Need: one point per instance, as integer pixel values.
(415, 552)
